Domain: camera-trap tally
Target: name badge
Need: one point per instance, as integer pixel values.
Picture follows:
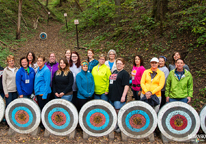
(111, 82)
(27, 81)
(132, 77)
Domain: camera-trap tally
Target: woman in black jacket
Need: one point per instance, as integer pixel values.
(63, 81)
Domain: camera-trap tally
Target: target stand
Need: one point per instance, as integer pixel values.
(137, 120)
(2, 108)
(178, 121)
(23, 116)
(97, 118)
(203, 118)
(60, 117)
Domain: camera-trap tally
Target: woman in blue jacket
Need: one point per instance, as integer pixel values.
(42, 82)
(25, 79)
(85, 85)
(91, 60)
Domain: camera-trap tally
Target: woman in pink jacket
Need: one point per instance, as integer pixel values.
(137, 71)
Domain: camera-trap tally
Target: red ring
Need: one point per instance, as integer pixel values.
(21, 116)
(178, 122)
(58, 118)
(97, 119)
(137, 121)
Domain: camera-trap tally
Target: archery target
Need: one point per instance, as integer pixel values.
(43, 35)
(137, 119)
(178, 121)
(2, 108)
(23, 115)
(97, 118)
(60, 117)
(203, 118)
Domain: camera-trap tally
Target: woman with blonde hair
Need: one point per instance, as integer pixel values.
(9, 80)
(68, 55)
(63, 81)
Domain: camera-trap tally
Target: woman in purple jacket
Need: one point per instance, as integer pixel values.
(53, 67)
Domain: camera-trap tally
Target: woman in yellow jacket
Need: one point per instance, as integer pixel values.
(101, 74)
(152, 82)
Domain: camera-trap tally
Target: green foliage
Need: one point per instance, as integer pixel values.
(4, 52)
(202, 91)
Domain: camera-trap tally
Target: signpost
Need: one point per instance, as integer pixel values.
(76, 22)
(65, 15)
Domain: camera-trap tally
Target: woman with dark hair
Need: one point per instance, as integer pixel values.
(137, 72)
(25, 79)
(31, 57)
(75, 67)
(63, 81)
(163, 68)
(91, 60)
(9, 80)
(42, 82)
(176, 56)
(85, 85)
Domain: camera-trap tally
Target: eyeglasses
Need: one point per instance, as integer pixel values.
(74, 56)
(111, 54)
(119, 64)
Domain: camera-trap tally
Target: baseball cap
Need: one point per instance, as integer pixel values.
(154, 59)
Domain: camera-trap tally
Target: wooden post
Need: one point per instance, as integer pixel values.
(18, 32)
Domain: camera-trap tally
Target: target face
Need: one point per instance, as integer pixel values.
(97, 118)
(23, 115)
(203, 118)
(43, 35)
(178, 121)
(60, 117)
(2, 108)
(137, 119)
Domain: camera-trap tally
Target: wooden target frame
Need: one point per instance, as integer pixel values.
(97, 118)
(178, 121)
(23, 115)
(2, 108)
(203, 118)
(137, 119)
(59, 117)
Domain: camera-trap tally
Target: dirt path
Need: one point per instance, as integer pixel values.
(57, 44)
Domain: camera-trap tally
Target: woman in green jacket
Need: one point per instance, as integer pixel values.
(179, 86)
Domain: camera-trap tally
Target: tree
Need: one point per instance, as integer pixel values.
(118, 11)
(47, 2)
(18, 32)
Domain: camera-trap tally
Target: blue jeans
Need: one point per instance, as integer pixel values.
(2, 95)
(102, 96)
(12, 96)
(185, 100)
(135, 94)
(26, 96)
(66, 97)
(116, 104)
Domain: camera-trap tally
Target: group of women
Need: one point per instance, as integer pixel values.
(80, 81)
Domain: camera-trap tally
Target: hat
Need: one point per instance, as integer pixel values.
(154, 59)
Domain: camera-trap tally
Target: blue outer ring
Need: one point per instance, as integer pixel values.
(58, 109)
(137, 112)
(26, 110)
(99, 111)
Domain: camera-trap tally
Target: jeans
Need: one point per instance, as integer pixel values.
(116, 104)
(66, 97)
(42, 102)
(185, 100)
(2, 95)
(27, 96)
(102, 96)
(135, 94)
(12, 96)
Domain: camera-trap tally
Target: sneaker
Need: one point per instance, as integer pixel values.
(117, 130)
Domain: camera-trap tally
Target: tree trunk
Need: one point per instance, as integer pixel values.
(18, 32)
(78, 5)
(118, 11)
(47, 2)
(160, 8)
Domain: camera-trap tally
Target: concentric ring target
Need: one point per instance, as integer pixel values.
(178, 121)
(137, 119)
(203, 118)
(60, 117)
(23, 115)
(2, 108)
(43, 35)
(97, 118)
